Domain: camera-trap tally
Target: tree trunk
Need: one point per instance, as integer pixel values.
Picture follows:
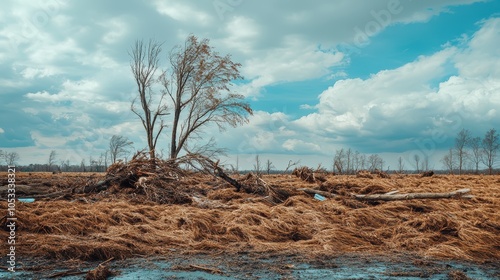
(173, 143)
(390, 197)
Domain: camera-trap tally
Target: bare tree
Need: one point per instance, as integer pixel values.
(92, 163)
(257, 166)
(100, 162)
(356, 161)
(198, 86)
(82, 166)
(362, 161)
(348, 155)
(269, 166)
(461, 142)
(417, 159)
(375, 162)
(339, 161)
(144, 65)
(10, 158)
(449, 161)
(401, 165)
(425, 163)
(106, 156)
(237, 167)
(65, 165)
(52, 159)
(290, 165)
(475, 152)
(491, 145)
(118, 146)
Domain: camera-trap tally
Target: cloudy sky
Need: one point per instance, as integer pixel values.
(386, 76)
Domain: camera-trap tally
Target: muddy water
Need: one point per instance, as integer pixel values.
(268, 267)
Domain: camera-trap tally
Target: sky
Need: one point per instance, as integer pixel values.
(392, 77)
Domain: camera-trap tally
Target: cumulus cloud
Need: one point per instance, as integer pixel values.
(300, 146)
(84, 90)
(405, 103)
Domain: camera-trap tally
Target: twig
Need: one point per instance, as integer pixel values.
(107, 261)
(207, 269)
(70, 272)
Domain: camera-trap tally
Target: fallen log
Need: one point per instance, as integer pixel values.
(395, 196)
(99, 186)
(313, 191)
(206, 269)
(220, 173)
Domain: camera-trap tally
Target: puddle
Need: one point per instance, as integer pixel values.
(26, 200)
(280, 267)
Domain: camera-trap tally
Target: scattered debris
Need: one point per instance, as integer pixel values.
(458, 275)
(101, 272)
(313, 192)
(372, 174)
(319, 197)
(206, 269)
(395, 196)
(429, 173)
(307, 174)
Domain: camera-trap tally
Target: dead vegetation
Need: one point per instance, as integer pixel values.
(307, 174)
(134, 211)
(372, 174)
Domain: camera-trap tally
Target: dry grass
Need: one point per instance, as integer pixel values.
(131, 226)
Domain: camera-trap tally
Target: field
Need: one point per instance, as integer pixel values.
(123, 223)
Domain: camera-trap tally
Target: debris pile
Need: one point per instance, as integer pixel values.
(307, 174)
(429, 173)
(158, 180)
(372, 174)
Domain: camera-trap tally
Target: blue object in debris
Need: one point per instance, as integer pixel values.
(27, 200)
(319, 197)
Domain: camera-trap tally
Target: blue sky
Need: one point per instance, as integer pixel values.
(391, 77)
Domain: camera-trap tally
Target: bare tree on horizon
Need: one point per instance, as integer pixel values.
(491, 146)
(118, 146)
(461, 143)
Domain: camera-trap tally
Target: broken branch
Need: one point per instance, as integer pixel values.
(390, 197)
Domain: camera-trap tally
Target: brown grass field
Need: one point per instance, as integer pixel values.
(220, 220)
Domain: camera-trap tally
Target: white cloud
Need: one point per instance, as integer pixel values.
(297, 60)
(183, 12)
(404, 102)
(1, 130)
(300, 146)
(350, 104)
(478, 60)
(82, 91)
(241, 32)
(48, 141)
(32, 72)
(117, 29)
